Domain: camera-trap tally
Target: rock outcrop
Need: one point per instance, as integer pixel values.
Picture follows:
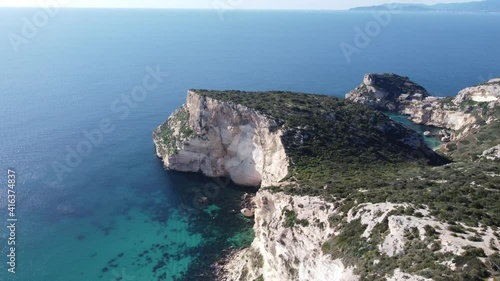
(398, 94)
(492, 153)
(389, 92)
(485, 92)
(299, 143)
(464, 114)
(216, 134)
(222, 139)
(289, 233)
(457, 113)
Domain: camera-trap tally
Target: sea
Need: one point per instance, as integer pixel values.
(81, 91)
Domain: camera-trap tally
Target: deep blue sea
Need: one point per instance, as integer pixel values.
(116, 214)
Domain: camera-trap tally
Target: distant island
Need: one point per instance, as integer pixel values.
(477, 6)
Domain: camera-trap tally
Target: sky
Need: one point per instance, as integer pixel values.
(210, 4)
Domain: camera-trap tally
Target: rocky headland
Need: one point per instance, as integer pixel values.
(473, 110)
(346, 193)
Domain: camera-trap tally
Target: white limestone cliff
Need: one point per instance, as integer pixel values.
(282, 251)
(486, 92)
(461, 114)
(220, 138)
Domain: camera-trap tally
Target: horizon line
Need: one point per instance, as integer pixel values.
(179, 8)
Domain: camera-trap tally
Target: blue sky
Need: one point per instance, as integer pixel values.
(209, 4)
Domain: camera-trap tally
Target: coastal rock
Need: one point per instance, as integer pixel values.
(485, 92)
(398, 275)
(222, 139)
(284, 251)
(291, 231)
(253, 145)
(296, 143)
(247, 212)
(492, 153)
(391, 92)
(388, 92)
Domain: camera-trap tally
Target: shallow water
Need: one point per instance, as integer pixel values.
(432, 141)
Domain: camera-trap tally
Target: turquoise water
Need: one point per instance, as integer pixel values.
(118, 214)
(432, 141)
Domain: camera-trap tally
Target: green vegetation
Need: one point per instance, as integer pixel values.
(324, 134)
(337, 150)
(457, 229)
(340, 150)
(394, 83)
(447, 190)
(477, 139)
(418, 257)
(171, 138)
(260, 278)
(292, 220)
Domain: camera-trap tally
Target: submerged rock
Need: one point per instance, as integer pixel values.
(247, 212)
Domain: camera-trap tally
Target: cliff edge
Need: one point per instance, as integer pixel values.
(259, 139)
(346, 192)
(471, 113)
(222, 139)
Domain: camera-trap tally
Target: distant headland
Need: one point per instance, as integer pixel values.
(474, 7)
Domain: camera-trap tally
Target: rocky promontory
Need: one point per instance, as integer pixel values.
(222, 139)
(254, 138)
(462, 114)
(345, 193)
(389, 92)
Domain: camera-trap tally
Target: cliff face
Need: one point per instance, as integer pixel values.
(485, 92)
(222, 139)
(305, 238)
(290, 231)
(394, 93)
(253, 137)
(344, 163)
(398, 94)
(433, 111)
(457, 113)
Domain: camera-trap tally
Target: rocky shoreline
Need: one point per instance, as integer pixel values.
(297, 236)
(399, 94)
